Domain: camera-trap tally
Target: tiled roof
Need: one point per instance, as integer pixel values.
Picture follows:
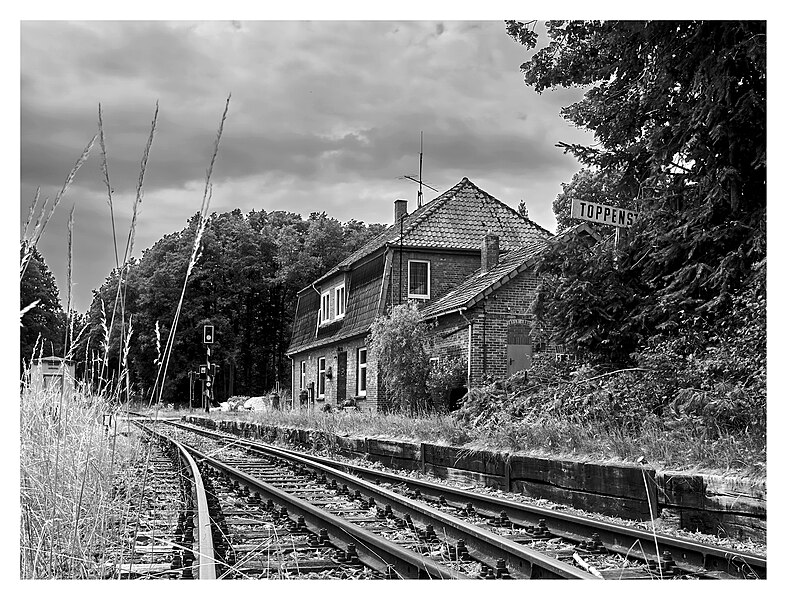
(457, 219)
(461, 217)
(510, 265)
(474, 288)
(363, 294)
(305, 324)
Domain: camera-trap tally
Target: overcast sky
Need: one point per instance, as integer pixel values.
(324, 116)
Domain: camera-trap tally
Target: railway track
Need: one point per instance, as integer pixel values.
(390, 535)
(445, 532)
(165, 533)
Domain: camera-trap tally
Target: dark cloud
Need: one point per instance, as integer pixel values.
(324, 116)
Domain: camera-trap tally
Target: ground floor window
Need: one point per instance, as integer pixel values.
(321, 379)
(303, 375)
(362, 356)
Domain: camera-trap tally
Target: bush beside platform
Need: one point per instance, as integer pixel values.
(728, 507)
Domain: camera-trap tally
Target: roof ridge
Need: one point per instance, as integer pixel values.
(436, 203)
(510, 209)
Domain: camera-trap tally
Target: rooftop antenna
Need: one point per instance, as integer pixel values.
(419, 180)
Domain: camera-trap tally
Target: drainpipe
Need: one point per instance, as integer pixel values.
(469, 351)
(484, 340)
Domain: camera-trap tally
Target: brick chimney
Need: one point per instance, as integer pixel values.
(489, 252)
(400, 210)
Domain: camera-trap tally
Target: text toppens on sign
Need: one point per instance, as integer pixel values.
(600, 213)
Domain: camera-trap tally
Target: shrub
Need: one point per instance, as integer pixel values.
(400, 343)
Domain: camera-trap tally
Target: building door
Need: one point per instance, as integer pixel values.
(341, 378)
(519, 348)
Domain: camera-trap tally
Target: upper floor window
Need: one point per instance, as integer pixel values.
(341, 301)
(419, 280)
(325, 308)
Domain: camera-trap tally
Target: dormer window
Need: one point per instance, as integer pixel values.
(341, 301)
(419, 279)
(325, 308)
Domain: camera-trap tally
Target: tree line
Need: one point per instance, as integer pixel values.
(245, 283)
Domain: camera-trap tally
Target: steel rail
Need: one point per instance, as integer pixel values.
(375, 551)
(521, 560)
(488, 546)
(636, 543)
(205, 555)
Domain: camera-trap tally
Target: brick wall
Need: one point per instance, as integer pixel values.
(447, 271)
(490, 321)
(311, 358)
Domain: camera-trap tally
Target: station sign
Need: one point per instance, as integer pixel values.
(602, 213)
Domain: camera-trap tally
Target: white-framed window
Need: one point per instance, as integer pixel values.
(321, 378)
(325, 308)
(362, 358)
(419, 279)
(341, 300)
(433, 363)
(303, 375)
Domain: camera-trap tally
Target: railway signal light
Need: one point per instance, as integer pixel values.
(203, 371)
(208, 334)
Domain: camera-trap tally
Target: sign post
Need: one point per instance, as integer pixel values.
(603, 214)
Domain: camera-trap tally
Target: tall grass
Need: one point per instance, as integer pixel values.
(68, 460)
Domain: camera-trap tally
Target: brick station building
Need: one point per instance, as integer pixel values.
(465, 257)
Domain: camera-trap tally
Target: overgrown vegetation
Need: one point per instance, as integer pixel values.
(679, 112)
(400, 343)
